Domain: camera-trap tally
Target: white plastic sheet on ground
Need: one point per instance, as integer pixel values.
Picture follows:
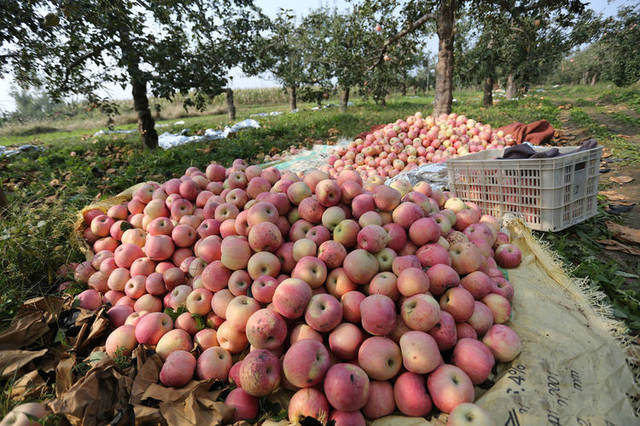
(266, 114)
(9, 152)
(307, 159)
(434, 173)
(170, 140)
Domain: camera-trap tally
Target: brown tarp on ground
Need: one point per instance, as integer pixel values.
(537, 132)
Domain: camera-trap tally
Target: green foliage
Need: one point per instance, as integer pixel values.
(622, 148)
(174, 47)
(282, 51)
(579, 247)
(615, 56)
(524, 41)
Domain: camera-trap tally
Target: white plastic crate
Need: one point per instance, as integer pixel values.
(550, 194)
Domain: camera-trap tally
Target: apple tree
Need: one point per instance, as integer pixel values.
(282, 52)
(156, 47)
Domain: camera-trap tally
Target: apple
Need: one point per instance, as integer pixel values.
(410, 395)
(231, 339)
(478, 284)
(263, 288)
(347, 418)
(412, 281)
(215, 276)
(420, 352)
(378, 314)
(178, 369)
(235, 252)
(449, 386)
(303, 331)
(508, 256)
(346, 233)
(468, 414)
(308, 402)
(474, 358)
(304, 247)
(380, 357)
(381, 400)
(305, 363)
(423, 231)
(173, 340)
(245, 406)
(482, 318)
(239, 310)
(384, 283)
(346, 387)
(458, 302)
(433, 254)
(420, 312)
(360, 266)
(351, 301)
(503, 342)
(311, 270)
(291, 297)
(323, 313)
(152, 326)
(260, 373)
(265, 329)
(372, 238)
(499, 306)
(345, 340)
(214, 363)
(441, 278)
(121, 341)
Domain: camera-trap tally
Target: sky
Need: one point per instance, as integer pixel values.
(270, 8)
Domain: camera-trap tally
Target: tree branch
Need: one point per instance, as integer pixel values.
(411, 28)
(78, 61)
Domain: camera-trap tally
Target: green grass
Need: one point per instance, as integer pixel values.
(621, 148)
(579, 247)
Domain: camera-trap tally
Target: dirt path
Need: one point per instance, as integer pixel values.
(612, 168)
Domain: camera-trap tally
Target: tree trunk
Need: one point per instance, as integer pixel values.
(293, 100)
(510, 92)
(403, 89)
(231, 107)
(444, 67)
(146, 124)
(594, 79)
(383, 101)
(345, 99)
(487, 98)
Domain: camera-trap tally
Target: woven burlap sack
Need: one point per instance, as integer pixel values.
(573, 367)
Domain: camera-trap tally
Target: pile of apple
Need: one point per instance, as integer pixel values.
(407, 144)
(362, 298)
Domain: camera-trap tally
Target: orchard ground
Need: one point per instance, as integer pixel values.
(46, 189)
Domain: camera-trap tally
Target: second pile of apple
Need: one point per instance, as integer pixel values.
(363, 298)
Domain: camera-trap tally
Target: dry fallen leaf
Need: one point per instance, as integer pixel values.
(621, 179)
(613, 195)
(29, 386)
(624, 232)
(614, 245)
(13, 360)
(64, 375)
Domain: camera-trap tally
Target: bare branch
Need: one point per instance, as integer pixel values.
(408, 30)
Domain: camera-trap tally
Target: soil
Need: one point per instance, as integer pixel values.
(571, 134)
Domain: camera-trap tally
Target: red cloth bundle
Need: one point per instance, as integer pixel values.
(535, 133)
